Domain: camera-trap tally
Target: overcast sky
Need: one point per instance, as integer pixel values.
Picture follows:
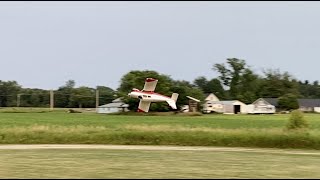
(44, 44)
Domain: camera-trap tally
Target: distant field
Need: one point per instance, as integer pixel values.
(60, 127)
(105, 163)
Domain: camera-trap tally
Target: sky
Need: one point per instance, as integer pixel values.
(44, 44)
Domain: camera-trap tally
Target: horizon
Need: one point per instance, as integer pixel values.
(44, 44)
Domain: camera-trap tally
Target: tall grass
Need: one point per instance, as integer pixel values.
(159, 135)
(206, 130)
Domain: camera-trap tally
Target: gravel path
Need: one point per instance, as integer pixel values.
(159, 148)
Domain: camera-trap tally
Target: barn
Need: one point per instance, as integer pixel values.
(234, 107)
(225, 107)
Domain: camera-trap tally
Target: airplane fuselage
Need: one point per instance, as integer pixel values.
(149, 96)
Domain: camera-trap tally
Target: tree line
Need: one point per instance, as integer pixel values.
(236, 80)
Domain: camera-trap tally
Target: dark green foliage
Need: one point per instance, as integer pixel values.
(288, 102)
(242, 82)
(212, 86)
(8, 93)
(276, 84)
(297, 121)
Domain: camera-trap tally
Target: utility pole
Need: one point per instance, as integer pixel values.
(97, 99)
(51, 100)
(18, 100)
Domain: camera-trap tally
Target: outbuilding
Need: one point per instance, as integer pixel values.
(226, 107)
(261, 106)
(116, 106)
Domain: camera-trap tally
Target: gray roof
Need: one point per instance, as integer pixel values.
(302, 102)
(115, 104)
(309, 102)
(272, 101)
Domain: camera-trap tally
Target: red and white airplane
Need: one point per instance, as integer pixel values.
(147, 95)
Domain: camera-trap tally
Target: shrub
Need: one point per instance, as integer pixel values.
(297, 120)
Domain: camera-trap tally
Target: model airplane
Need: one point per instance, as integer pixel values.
(147, 95)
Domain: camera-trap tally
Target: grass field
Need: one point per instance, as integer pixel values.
(100, 163)
(206, 130)
(59, 127)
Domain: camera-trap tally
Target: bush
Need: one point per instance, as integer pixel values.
(297, 121)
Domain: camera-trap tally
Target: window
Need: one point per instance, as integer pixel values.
(149, 96)
(144, 95)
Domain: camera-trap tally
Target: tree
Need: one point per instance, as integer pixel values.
(34, 97)
(276, 84)
(212, 86)
(288, 102)
(8, 93)
(82, 97)
(242, 82)
(201, 82)
(106, 94)
(63, 94)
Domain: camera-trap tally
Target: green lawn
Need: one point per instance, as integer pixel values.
(89, 163)
(206, 130)
(213, 121)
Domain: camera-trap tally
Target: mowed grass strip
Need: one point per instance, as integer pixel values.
(99, 163)
(207, 130)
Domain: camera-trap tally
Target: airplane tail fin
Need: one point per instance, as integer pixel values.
(174, 96)
(172, 103)
(173, 100)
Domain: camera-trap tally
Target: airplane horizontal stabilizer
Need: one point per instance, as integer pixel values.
(172, 103)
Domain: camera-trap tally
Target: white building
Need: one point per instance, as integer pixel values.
(261, 106)
(234, 107)
(116, 106)
(211, 97)
(213, 104)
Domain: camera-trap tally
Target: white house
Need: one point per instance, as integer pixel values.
(261, 106)
(212, 104)
(116, 106)
(211, 97)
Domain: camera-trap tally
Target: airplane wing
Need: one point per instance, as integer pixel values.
(144, 106)
(150, 84)
(172, 103)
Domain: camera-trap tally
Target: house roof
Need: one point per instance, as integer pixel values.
(114, 104)
(194, 99)
(272, 101)
(226, 102)
(302, 102)
(261, 99)
(309, 102)
(117, 100)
